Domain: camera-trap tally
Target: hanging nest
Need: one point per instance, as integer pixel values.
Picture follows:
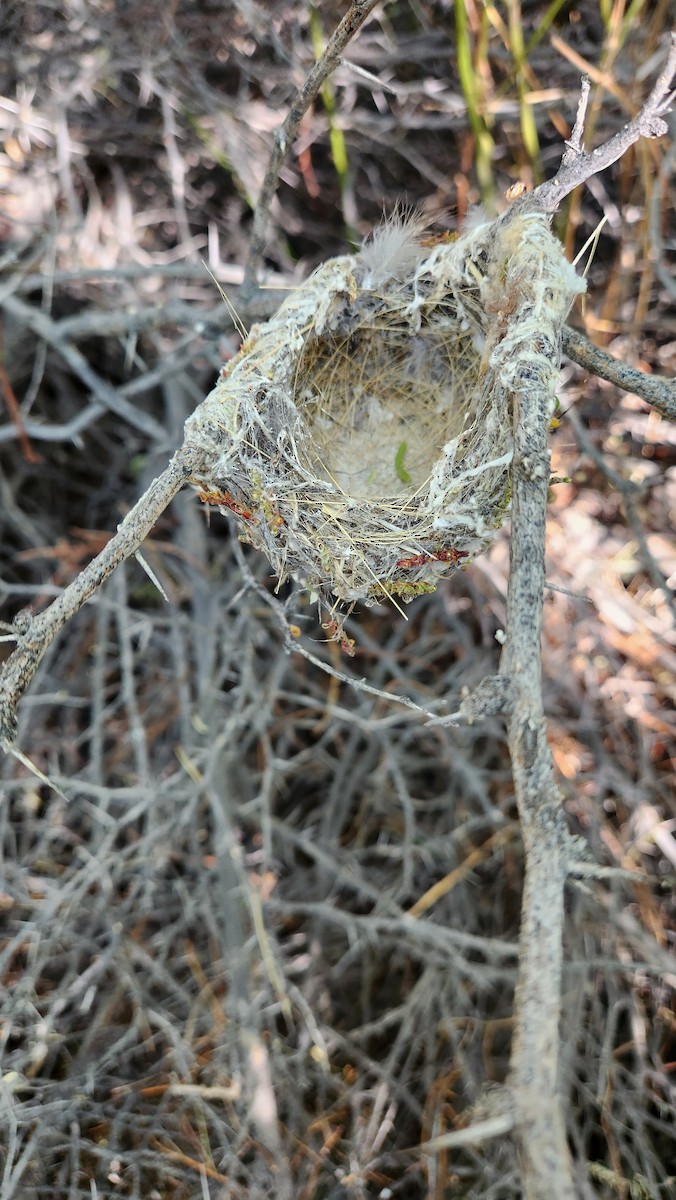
(363, 436)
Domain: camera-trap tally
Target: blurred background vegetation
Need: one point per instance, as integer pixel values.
(263, 941)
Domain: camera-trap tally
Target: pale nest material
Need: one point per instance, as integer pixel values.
(363, 436)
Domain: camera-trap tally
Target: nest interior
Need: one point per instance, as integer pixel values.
(381, 402)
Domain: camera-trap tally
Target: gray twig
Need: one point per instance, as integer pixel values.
(574, 143)
(660, 393)
(578, 166)
(36, 634)
(284, 138)
(534, 1062)
(47, 330)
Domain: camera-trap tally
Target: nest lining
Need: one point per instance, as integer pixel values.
(363, 436)
(381, 403)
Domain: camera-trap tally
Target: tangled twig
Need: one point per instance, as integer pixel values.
(538, 1113)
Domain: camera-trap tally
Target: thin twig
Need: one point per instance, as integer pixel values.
(473, 1135)
(578, 166)
(574, 143)
(18, 424)
(660, 393)
(286, 134)
(36, 635)
(46, 329)
(628, 491)
(294, 647)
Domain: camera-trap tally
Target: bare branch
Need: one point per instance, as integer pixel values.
(577, 166)
(35, 635)
(286, 134)
(628, 490)
(44, 328)
(517, 690)
(534, 1062)
(660, 393)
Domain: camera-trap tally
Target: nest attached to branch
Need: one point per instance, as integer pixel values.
(363, 436)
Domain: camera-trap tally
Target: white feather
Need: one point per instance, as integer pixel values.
(393, 250)
(474, 217)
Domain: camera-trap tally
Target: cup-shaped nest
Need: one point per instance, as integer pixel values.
(363, 436)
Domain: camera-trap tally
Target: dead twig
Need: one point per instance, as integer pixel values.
(284, 138)
(577, 165)
(628, 491)
(18, 423)
(35, 634)
(659, 393)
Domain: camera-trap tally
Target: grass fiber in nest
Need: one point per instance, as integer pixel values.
(363, 435)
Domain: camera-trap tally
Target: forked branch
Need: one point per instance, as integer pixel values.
(577, 165)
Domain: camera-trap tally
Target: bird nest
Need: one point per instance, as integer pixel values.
(363, 436)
